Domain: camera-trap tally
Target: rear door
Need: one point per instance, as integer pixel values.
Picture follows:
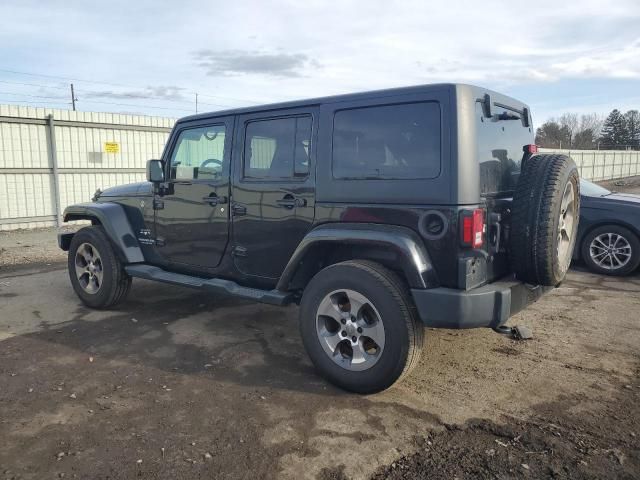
(192, 211)
(273, 189)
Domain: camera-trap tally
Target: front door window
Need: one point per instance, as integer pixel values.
(199, 154)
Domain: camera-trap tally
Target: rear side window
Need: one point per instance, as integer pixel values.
(277, 148)
(387, 142)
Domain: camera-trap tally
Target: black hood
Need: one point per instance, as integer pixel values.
(141, 189)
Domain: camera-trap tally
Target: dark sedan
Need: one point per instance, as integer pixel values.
(609, 233)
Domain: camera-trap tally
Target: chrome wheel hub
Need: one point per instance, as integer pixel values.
(350, 330)
(566, 227)
(88, 266)
(610, 251)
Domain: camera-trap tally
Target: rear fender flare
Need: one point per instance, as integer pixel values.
(414, 259)
(114, 220)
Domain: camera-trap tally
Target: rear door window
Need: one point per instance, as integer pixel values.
(277, 148)
(500, 143)
(388, 142)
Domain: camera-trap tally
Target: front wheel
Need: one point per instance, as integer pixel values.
(359, 326)
(96, 273)
(611, 250)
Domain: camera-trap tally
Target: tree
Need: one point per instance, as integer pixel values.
(552, 135)
(632, 128)
(593, 122)
(570, 122)
(585, 139)
(614, 132)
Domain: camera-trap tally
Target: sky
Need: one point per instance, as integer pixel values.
(152, 57)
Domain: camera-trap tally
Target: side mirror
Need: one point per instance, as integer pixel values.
(155, 171)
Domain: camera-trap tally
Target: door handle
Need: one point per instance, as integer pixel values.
(214, 200)
(289, 202)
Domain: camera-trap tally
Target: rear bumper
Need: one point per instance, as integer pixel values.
(487, 306)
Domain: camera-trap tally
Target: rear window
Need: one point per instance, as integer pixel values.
(387, 142)
(500, 144)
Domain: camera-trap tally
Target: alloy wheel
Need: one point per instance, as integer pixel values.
(350, 330)
(566, 226)
(610, 251)
(89, 269)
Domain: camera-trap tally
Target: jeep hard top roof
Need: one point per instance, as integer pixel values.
(464, 90)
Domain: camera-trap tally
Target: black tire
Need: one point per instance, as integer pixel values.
(536, 219)
(403, 332)
(609, 267)
(115, 284)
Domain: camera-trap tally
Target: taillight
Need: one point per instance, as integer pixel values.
(531, 149)
(472, 228)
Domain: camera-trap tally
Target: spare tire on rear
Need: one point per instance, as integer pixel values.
(544, 219)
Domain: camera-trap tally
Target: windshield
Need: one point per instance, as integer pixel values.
(592, 190)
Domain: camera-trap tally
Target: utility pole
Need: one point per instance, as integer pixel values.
(73, 99)
(196, 103)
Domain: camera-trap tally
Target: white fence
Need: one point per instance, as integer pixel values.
(52, 158)
(597, 165)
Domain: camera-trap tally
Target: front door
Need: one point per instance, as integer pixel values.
(192, 210)
(273, 192)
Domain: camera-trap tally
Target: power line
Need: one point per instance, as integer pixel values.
(138, 106)
(32, 96)
(106, 103)
(110, 83)
(92, 101)
(33, 85)
(7, 100)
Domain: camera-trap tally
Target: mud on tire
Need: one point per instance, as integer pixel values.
(544, 220)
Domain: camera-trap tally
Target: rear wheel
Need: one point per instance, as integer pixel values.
(611, 250)
(96, 273)
(359, 327)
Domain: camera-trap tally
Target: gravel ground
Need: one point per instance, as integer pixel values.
(24, 247)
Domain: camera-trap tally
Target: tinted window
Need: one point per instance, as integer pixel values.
(199, 153)
(500, 144)
(387, 142)
(277, 148)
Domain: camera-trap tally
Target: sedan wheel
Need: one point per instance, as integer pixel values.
(611, 250)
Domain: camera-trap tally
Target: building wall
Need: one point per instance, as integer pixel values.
(27, 182)
(597, 165)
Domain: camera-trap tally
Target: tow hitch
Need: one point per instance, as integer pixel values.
(519, 332)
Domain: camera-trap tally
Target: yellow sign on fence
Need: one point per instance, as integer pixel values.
(111, 147)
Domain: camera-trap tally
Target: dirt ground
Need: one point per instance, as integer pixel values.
(177, 384)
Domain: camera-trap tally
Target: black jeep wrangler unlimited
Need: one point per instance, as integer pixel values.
(379, 213)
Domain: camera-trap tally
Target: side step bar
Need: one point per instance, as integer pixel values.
(215, 285)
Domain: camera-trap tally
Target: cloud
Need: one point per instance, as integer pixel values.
(157, 92)
(246, 62)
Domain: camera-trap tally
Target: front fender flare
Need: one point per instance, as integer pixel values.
(414, 259)
(114, 220)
